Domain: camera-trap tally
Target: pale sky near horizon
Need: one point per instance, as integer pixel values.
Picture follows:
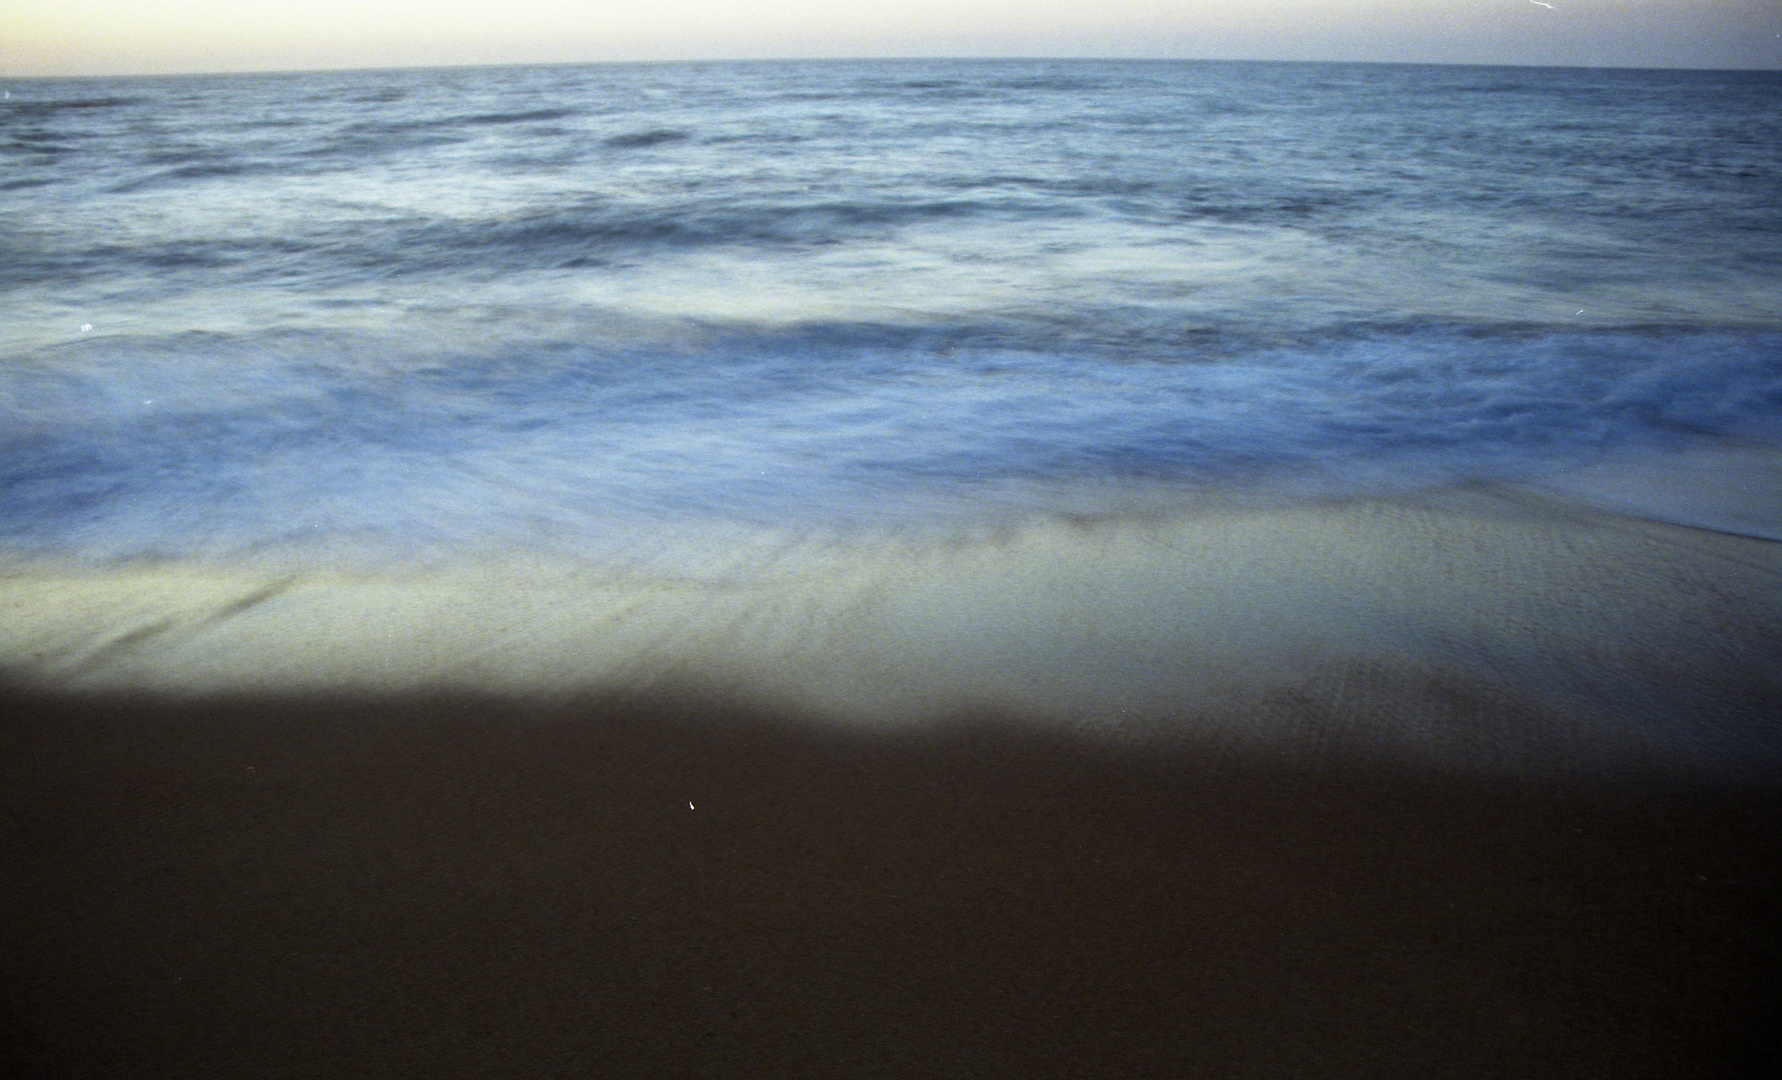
(120, 37)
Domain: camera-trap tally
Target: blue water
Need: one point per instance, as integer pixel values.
(569, 307)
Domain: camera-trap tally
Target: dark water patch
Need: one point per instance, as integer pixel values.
(204, 170)
(198, 171)
(589, 235)
(1493, 88)
(763, 138)
(195, 258)
(1210, 204)
(528, 117)
(1062, 84)
(187, 153)
(1068, 189)
(181, 265)
(38, 140)
(932, 90)
(638, 140)
(273, 123)
(1225, 105)
(363, 144)
(400, 130)
(38, 109)
(389, 95)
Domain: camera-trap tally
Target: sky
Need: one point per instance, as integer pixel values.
(121, 37)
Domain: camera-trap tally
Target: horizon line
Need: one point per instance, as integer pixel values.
(912, 58)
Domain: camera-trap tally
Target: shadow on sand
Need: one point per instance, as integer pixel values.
(473, 885)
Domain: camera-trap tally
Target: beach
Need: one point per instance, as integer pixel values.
(1482, 785)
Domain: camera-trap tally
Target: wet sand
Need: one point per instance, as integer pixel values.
(1484, 788)
(1481, 629)
(469, 887)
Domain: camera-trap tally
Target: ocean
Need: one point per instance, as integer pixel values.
(611, 311)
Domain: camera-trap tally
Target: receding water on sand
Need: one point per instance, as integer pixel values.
(1490, 629)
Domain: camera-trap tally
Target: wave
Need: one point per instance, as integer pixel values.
(593, 233)
(221, 440)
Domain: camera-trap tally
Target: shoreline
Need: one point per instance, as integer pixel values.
(1492, 629)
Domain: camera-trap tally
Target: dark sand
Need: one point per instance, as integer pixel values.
(491, 887)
